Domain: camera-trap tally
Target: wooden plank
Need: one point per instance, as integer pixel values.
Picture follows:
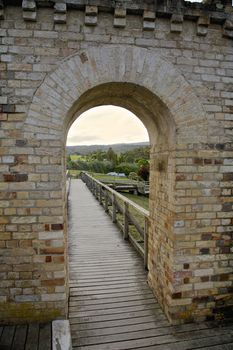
(73, 311)
(111, 306)
(19, 337)
(147, 333)
(115, 330)
(159, 343)
(32, 337)
(89, 306)
(102, 284)
(126, 294)
(228, 346)
(99, 301)
(7, 337)
(119, 316)
(143, 325)
(45, 337)
(110, 277)
(117, 323)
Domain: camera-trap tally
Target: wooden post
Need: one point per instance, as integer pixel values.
(106, 201)
(113, 208)
(101, 194)
(126, 221)
(95, 189)
(146, 243)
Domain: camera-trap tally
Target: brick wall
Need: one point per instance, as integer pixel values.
(56, 64)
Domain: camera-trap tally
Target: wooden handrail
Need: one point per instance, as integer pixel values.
(108, 197)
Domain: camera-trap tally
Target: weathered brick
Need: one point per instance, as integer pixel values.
(15, 177)
(43, 75)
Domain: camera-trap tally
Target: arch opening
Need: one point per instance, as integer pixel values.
(106, 125)
(161, 129)
(154, 115)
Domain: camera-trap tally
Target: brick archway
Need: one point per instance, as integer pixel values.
(157, 93)
(57, 99)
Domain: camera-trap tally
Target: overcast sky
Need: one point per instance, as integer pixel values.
(106, 125)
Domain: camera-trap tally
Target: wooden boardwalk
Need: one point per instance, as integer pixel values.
(26, 337)
(111, 306)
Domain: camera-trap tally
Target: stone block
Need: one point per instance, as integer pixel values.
(53, 297)
(228, 28)
(91, 10)
(29, 16)
(59, 18)
(3, 100)
(61, 335)
(202, 30)
(27, 298)
(29, 5)
(60, 7)
(148, 25)
(15, 177)
(149, 15)
(119, 22)
(176, 27)
(91, 20)
(203, 21)
(120, 13)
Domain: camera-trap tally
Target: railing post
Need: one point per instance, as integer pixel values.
(106, 201)
(126, 221)
(94, 191)
(113, 208)
(146, 243)
(100, 194)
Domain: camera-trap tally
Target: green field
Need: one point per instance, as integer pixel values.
(143, 201)
(75, 157)
(105, 177)
(74, 173)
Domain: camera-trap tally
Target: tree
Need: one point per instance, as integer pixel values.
(144, 171)
(126, 168)
(111, 156)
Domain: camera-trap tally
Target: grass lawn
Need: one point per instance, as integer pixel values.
(74, 173)
(105, 177)
(143, 201)
(75, 157)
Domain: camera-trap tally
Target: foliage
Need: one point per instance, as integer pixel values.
(106, 161)
(126, 168)
(144, 171)
(133, 176)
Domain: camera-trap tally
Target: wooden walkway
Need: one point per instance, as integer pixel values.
(26, 337)
(111, 306)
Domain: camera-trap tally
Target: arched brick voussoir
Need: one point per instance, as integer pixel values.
(58, 95)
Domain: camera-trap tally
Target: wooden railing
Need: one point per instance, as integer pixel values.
(132, 219)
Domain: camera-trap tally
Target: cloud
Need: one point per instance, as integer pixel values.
(106, 125)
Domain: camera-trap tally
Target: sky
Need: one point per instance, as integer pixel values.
(106, 125)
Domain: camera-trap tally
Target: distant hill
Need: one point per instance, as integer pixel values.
(118, 148)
